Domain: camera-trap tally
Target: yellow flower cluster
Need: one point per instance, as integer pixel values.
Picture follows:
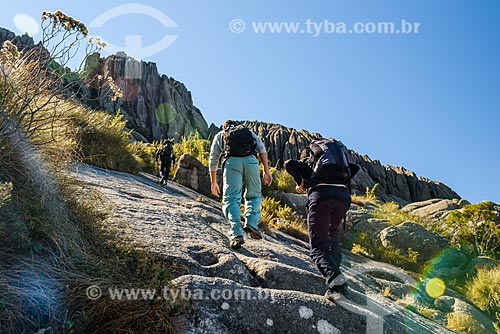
(66, 21)
(100, 43)
(117, 91)
(9, 53)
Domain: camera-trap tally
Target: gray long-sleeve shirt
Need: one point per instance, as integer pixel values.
(217, 149)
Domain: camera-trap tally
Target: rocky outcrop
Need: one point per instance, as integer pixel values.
(434, 210)
(412, 235)
(480, 262)
(401, 236)
(156, 105)
(268, 286)
(395, 183)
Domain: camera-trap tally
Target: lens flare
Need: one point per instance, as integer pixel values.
(26, 24)
(435, 287)
(165, 113)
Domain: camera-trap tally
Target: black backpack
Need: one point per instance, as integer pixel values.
(328, 162)
(239, 142)
(167, 149)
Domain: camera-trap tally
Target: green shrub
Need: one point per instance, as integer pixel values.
(282, 218)
(475, 225)
(391, 212)
(102, 140)
(145, 154)
(484, 291)
(194, 145)
(371, 194)
(362, 244)
(284, 181)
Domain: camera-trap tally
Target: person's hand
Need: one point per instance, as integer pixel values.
(215, 189)
(300, 189)
(268, 178)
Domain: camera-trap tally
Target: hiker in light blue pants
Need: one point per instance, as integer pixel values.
(239, 146)
(239, 171)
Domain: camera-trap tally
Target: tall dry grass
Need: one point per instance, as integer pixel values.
(53, 243)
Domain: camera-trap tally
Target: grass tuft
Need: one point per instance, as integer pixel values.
(463, 323)
(282, 218)
(484, 291)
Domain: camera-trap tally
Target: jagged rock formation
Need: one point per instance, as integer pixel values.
(157, 105)
(22, 42)
(396, 183)
(268, 286)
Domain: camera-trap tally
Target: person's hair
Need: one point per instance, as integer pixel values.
(228, 123)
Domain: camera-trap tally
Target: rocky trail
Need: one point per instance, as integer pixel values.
(268, 286)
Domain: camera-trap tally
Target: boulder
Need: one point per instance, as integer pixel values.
(193, 174)
(464, 307)
(281, 276)
(480, 262)
(372, 227)
(435, 210)
(415, 236)
(297, 202)
(444, 303)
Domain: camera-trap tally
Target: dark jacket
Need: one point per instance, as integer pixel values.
(322, 187)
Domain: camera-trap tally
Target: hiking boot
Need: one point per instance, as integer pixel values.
(254, 233)
(236, 242)
(337, 293)
(339, 280)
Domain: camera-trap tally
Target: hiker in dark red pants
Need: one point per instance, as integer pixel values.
(329, 200)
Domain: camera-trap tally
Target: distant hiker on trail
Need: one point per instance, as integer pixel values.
(324, 173)
(240, 166)
(166, 157)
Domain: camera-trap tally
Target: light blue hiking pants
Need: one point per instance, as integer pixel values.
(241, 172)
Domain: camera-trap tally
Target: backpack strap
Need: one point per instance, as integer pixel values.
(338, 155)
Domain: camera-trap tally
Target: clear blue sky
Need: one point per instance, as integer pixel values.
(429, 101)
